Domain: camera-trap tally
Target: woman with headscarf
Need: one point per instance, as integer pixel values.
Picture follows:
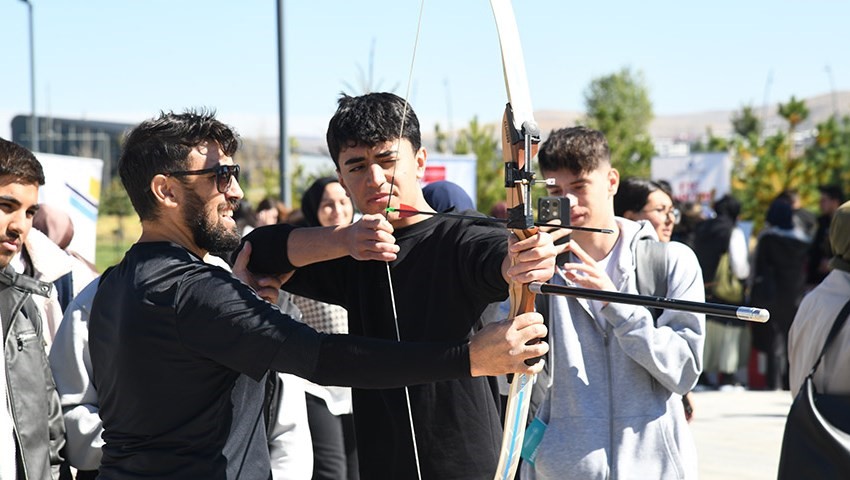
(778, 283)
(326, 203)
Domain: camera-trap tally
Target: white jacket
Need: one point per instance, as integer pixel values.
(49, 263)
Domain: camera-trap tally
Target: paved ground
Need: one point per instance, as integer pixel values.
(738, 434)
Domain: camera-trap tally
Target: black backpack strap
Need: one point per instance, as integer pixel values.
(651, 269)
(64, 286)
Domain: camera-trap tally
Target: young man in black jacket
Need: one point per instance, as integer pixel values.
(36, 416)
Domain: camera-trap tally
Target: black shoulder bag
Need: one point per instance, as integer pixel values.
(816, 443)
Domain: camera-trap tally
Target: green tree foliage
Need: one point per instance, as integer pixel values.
(481, 141)
(769, 172)
(829, 156)
(794, 112)
(712, 144)
(767, 168)
(115, 200)
(441, 139)
(619, 106)
(747, 124)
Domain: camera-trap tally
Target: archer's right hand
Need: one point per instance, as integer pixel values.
(370, 238)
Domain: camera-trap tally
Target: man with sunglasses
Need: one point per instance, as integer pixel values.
(179, 348)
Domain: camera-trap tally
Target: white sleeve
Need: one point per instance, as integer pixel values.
(70, 363)
(290, 444)
(738, 253)
(8, 449)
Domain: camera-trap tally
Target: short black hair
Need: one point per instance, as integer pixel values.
(727, 206)
(633, 194)
(835, 192)
(161, 145)
(371, 119)
(18, 162)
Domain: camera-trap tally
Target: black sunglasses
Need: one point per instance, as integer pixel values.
(224, 174)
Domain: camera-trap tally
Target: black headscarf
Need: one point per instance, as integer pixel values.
(312, 199)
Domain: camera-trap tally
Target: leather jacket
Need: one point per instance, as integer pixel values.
(33, 401)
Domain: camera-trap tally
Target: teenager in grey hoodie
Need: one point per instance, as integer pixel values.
(614, 410)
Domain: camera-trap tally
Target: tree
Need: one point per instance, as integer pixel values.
(441, 139)
(481, 140)
(712, 144)
(618, 105)
(115, 200)
(795, 112)
(829, 156)
(747, 124)
(766, 169)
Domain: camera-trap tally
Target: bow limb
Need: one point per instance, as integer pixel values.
(520, 138)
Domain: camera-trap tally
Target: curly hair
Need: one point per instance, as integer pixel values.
(577, 149)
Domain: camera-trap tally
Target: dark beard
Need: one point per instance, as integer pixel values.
(212, 237)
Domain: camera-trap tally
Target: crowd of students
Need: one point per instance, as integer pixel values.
(224, 343)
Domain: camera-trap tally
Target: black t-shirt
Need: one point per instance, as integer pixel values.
(447, 271)
(179, 349)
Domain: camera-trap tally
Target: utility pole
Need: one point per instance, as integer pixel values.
(832, 90)
(285, 191)
(764, 112)
(33, 121)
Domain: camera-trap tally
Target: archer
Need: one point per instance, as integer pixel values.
(445, 271)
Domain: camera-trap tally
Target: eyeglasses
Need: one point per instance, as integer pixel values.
(667, 212)
(224, 175)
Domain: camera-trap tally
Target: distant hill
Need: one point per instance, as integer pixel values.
(686, 127)
(692, 126)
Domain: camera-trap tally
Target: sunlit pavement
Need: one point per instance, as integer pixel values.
(739, 433)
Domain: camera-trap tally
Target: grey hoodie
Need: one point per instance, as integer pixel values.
(614, 410)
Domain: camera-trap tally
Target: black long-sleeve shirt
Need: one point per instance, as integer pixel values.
(179, 349)
(447, 271)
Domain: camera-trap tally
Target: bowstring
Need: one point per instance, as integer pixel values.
(387, 214)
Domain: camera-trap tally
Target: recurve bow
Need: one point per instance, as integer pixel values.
(520, 138)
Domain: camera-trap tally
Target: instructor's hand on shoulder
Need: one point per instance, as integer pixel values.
(266, 286)
(502, 347)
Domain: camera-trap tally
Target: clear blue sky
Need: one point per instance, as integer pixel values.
(127, 59)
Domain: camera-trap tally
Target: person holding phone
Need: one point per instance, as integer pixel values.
(614, 407)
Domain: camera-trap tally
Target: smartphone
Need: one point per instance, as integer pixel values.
(552, 208)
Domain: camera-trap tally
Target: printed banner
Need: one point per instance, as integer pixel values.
(698, 178)
(72, 184)
(459, 169)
